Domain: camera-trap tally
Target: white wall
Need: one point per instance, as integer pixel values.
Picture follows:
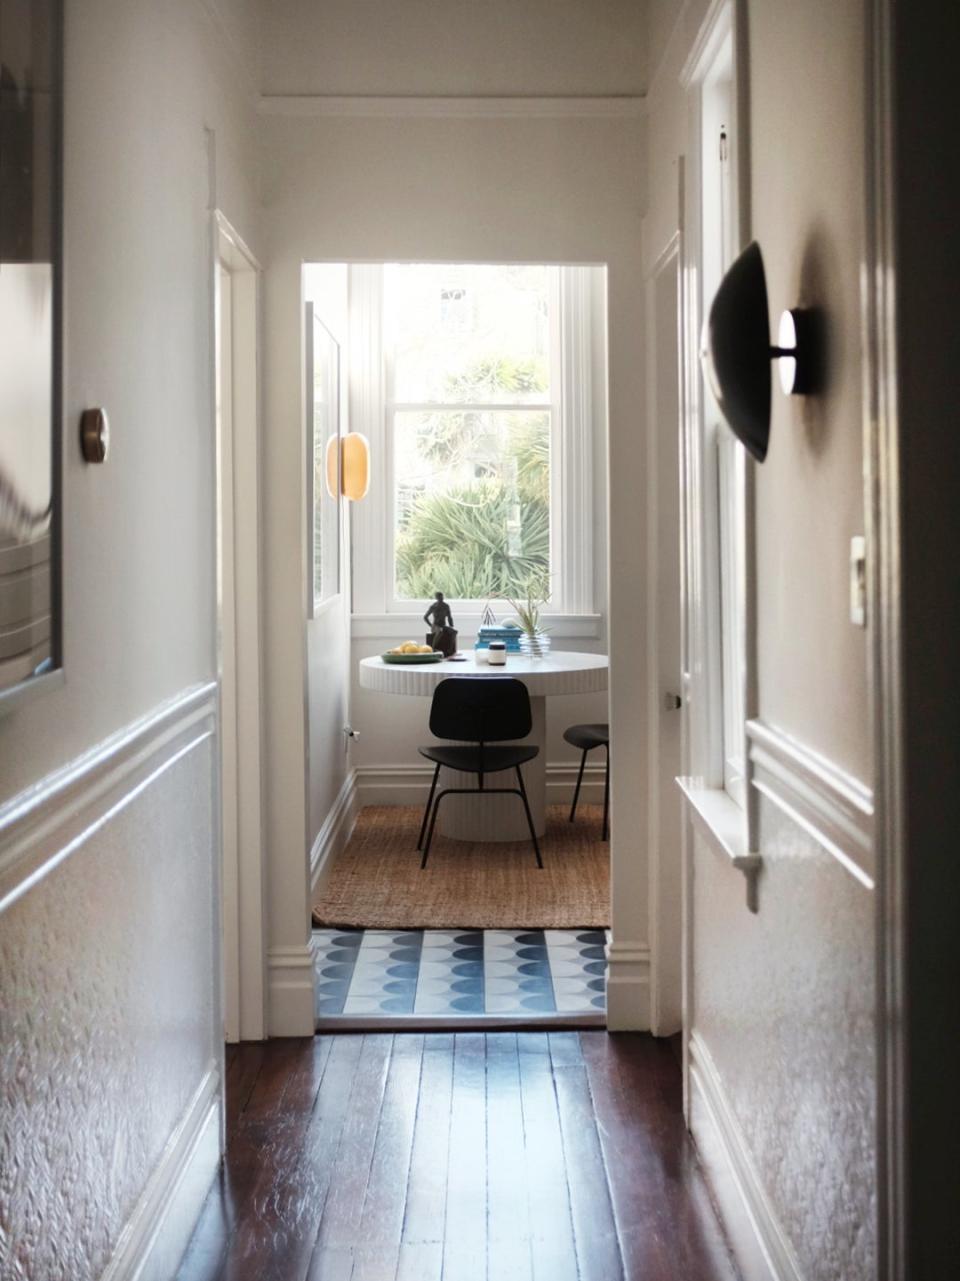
(454, 47)
(110, 983)
(781, 1003)
(328, 636)
(490, 189)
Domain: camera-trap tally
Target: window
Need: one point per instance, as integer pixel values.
(469, 413)
(483, 423)
(724, 457)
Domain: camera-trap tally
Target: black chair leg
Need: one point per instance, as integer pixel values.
(606, 799)
(576, 794)
(526, 806)
(426, 812)
(433, 821)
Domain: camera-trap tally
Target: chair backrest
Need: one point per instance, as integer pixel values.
(481, 709)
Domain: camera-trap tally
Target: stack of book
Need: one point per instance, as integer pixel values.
(506, 632)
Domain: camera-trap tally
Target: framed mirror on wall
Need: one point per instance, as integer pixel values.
(31, 111)
(323, 462)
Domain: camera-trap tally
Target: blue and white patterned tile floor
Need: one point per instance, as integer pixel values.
(526, 974)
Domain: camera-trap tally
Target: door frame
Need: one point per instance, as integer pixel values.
(243, 895)
(665, 673)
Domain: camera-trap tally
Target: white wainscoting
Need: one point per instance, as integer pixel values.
(835, 812)
(108, 870)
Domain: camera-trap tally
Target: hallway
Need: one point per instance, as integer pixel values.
(458, 1157)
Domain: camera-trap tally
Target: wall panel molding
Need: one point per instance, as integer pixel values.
(760, 1245)
(831, 805)
(44, 825)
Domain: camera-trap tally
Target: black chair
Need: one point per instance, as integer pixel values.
(478, 711)
(587, 737)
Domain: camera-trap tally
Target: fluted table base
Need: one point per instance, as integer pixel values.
(496, 818)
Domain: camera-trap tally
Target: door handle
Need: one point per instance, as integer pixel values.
(672, 702)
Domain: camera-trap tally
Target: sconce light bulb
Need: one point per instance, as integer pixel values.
(787, 360)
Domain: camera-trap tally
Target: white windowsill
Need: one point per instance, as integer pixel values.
(560, 626)
(723, 824)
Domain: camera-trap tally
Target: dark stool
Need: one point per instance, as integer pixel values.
(587, 737)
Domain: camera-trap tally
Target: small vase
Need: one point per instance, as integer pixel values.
(535, 644)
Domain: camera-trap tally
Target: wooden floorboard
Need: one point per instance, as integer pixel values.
(535, 1156)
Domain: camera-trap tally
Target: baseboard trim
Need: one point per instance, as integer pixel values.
(50, 821)
(830, 805)
(334, 833)
(410, 784)
(157, 1233)
(290, 975)
(761, 1248)
(628, 986)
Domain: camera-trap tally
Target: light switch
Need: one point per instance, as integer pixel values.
(858, 581)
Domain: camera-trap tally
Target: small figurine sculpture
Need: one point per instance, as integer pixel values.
(443, 634)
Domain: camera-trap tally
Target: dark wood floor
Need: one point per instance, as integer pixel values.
(467, 1157)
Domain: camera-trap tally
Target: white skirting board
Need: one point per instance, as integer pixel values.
(290, 974)
(410, 784)
(628, 987)
(335, 831)
(158, 1232)
(760, 1246)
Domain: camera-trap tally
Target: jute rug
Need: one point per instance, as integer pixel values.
(377, 884)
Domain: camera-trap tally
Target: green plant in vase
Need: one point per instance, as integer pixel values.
(535, 637)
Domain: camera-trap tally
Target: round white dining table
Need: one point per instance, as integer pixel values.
(492, 817)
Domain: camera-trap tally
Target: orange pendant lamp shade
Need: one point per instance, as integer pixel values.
(353, 479)
(333, 462)
(354, 466)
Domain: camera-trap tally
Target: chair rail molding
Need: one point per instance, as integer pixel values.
(43, 826)
(833, 807)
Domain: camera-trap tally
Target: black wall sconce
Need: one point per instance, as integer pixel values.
(737, 351)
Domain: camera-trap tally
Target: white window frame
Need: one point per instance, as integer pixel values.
(376, 610)
(718, 657)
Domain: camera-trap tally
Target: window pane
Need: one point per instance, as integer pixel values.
(468, 334)
(471, 503)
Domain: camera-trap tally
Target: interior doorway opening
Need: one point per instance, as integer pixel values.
(482, 391)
